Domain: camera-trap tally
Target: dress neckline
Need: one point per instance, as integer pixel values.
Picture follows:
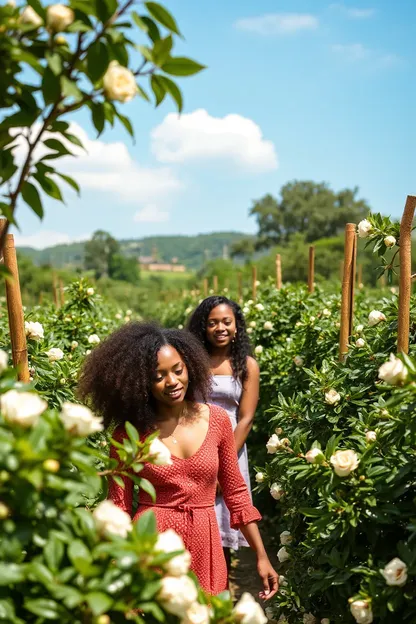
(202, 443)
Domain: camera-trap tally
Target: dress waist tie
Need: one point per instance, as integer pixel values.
(187, 509)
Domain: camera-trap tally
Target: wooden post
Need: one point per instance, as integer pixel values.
(205, 287)
(278, 272)
(61, 292)
(405, 256)
(341, 270)
(311, 271)
(347, 291)
(254, 282)
(215, 284)
(353, 278)
(15, 311)
(55, 289)
(240, 286)
(360, 275)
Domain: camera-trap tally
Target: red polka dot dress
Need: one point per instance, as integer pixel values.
(185, 498)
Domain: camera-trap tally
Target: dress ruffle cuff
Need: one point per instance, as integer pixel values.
(244, 516)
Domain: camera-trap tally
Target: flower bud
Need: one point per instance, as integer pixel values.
(51, 465)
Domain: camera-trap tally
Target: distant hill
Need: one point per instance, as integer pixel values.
(191, 251)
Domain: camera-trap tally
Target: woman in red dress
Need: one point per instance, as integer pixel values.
(150, 376)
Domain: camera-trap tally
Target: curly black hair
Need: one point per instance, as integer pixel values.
(116, 378)
(240, 347)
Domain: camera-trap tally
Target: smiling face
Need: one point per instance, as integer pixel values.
(221, 327)
(170, 382)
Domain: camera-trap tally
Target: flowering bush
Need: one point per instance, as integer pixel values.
(62, 560)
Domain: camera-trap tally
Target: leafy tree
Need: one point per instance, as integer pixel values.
(308, 208)
(123, 269)
(99, 252)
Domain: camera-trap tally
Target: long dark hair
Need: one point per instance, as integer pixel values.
(116, 379)
(240, 347)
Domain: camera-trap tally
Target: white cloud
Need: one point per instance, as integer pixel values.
(151, 214)
(109, 168)
(355, 52)
(353, 12)
(199, 136)
(278, 23)
(46, 238)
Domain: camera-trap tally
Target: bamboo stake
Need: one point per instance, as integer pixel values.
(353, 278)
(360, 275)
(311, 269)
(341, 270)
(278, 272)
(55, 289)
(205, 287)
(215, 284)
(405, 256)
(240, 286)
(15, 312)
(62, 292)
(346, 290)
(254, 282)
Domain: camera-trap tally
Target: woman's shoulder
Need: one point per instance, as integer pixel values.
(252, 365)
(218, 416)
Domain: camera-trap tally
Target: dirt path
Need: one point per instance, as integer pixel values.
(244, 577)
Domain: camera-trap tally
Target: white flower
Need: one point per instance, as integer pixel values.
(55, 354)
(79, 420)
(371, 436)
(259, 307)
(325, 621)
(298, 360)
(389, 241)
(360, 343)
(395, 572)
(268, 325)
(29, 16)
(197, 614)
(393, 372)
(282, 554)
(258, 283)
(110, 519)
(314, 456)
(34, 330)
(167, 542)
(282, 581)
(253, 324)
(22, 408)
(59, 17)
(248, 611)
(285, 538)
(282, 620)
(259, 477)
(344, 462)
(308, 618)
(273, 444)
(188, 310)
(250, 302)
(119, 83)
(249, 330)
(332, 397)
(375, 317)
(246, 310)
(276, 491)
(118, 316)
(159, 453)
(180, 326)
(364, 228)
(298, 324)
(326, 312)
(74, 344)
(177, 594)
(93, 339)
(258, 350)
(360, 328)
(361, 611)
(129, 312)
(312, 319)
(90, 291)
(88, 351)
(4, 359)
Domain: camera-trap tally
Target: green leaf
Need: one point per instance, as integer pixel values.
(182, 66)
(6, 211)
(31, 196)
(47, 609)
(158, 89)
(173, 90)
(98, 117)
(148, 25)
(105, 9)
(162, 16)
(132, 433)
(54, 62)
(70, 89)
(69, 181)
(53, 552)
(126, 123)
(97, 61)
(74, 139)
(79, 555)
(41, 573)
(98, 602)
(57, 146)
(161, 50)
(50, 86)
(148, 487)
(11, 573)
(146, 524)
(49, 186)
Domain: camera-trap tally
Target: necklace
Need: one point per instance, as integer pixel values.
(184, 411)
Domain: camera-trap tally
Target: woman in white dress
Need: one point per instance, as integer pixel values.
(219, 324)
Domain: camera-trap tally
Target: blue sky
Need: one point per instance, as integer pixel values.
(293, 90)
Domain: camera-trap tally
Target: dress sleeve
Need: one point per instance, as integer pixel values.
(234, 488)
(122, 497)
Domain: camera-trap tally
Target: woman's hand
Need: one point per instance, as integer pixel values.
(269, 577)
